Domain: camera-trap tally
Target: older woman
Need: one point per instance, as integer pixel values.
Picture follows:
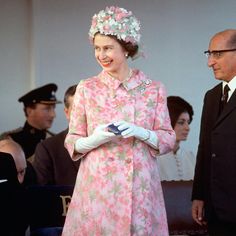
(118, 190)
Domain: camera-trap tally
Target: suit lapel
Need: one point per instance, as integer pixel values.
(229, 107)
(214, 104)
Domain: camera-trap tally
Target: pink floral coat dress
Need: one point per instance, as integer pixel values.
(118, 190)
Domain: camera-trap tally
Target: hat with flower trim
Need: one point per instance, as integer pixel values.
(118, 22)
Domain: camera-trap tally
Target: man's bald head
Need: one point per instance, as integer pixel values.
(13, 148)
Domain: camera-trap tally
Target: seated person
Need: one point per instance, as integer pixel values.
(178, 164)
(8, 172)
(52, 163)
(13, 214)
(15, 150)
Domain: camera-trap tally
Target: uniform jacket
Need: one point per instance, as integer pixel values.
(118, 190)
(28, 137)
(215, 173)
(53, 164)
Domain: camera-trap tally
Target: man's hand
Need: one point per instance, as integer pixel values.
(198, 211)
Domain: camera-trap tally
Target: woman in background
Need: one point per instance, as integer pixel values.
(178, 164)
(118, 190)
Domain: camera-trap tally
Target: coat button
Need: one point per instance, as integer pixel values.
(128, 161)
(213, 155)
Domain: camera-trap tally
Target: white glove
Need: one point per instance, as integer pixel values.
(131, 130)
(99, 137)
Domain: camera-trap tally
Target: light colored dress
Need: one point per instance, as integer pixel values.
(118, 191)
(179, 166)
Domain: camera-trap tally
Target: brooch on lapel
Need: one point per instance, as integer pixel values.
(144, 85)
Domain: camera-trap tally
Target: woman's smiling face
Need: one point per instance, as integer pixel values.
(109, 53)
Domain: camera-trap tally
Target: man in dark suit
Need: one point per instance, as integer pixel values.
(15, 150)
(13, 214)
(53, 164)
(214, 188)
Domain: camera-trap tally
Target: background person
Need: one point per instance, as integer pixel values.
(13, 201)
(39, 108)
(214, 188)
(15, 150)
(118, 191)
(52, 162)
(178, 164)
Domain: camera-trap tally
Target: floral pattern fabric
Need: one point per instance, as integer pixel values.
(118, 190)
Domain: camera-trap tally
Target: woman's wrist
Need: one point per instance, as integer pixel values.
(148, 136)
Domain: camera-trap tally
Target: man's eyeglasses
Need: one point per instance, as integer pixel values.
(217, 53)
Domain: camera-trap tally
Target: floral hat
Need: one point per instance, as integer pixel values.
(118, 22)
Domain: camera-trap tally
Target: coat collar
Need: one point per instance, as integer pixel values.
(135, 80)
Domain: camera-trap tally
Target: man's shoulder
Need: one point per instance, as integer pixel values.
(213, 92)
(60, 137)
(11, 133)
(216, 88)
(53, 147)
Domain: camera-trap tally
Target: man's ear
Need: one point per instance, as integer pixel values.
(28, 111)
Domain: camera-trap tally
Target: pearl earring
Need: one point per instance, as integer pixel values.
(126, 55)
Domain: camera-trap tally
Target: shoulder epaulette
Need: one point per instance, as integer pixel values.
(6, 134)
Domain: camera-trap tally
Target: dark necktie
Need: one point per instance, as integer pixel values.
(225, 96)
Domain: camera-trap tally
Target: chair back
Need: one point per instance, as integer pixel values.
(48, 205)
(177, 195)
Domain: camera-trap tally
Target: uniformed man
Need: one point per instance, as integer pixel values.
(39, 108)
